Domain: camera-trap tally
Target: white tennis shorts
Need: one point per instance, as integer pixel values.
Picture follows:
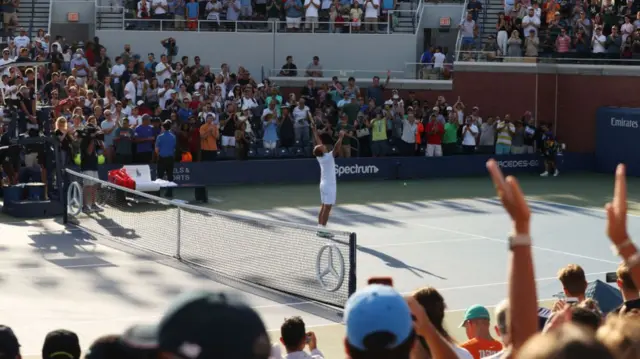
(228, 141)
(328, 193)
(88, 182)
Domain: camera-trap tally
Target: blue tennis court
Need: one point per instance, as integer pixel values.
(459, 246)
(61, 279)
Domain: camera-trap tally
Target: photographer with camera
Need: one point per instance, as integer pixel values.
(90, 141)
(9, 156)
(27, 110)
(171, 47)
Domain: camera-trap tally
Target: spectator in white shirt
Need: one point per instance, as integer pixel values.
(371, 15)
(311, 8)
(301, 117)
(163, 70)
(409, 129)
(295, 339)
(22, 40)
(6, 58)
(164, 93)
(531, 22)
(160, 9)
(438, 59)
(212, 10)
(598, 42)
(130, 90)
(116, 72)
(469, 134)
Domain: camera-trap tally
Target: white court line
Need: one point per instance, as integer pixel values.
(473, 286)
(569, 254)
(402, 244)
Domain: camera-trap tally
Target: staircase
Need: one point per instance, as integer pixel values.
(34, 13)
(109, 18)
(406, 18)
(489, 19)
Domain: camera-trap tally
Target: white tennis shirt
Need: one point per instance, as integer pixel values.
(327, 169)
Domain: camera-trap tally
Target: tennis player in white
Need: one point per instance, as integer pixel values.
(328, 182)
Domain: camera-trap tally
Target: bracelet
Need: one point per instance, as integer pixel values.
(633, 261)
(619, 247)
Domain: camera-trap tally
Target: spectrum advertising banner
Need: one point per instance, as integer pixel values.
(307, 170)
(618, 139)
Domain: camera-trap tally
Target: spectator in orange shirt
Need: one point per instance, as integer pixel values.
(477, 324)
(208, 137)
(419, 133)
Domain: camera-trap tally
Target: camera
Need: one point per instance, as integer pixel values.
(90, 131)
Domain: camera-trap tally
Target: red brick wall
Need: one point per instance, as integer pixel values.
(578, 98)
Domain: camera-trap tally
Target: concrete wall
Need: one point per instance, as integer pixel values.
(77, 31)
(369, 54)
(432, 13)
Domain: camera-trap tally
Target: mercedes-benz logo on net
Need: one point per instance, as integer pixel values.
(330, 268)
(74, 199)
(519, 164)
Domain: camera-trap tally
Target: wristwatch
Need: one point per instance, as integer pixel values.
(519, 240)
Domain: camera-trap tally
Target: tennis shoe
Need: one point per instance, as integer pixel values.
(544, 174)
(87, 209)
(96, 208)
(556, 173)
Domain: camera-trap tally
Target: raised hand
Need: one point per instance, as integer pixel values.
(511, 197)
(560, 317)
(617, 209)
(420, 316)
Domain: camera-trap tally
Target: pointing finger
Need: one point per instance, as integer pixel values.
(620, 189)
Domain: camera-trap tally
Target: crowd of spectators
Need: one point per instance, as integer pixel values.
(381, 323)
(220, 114)
(293, 15)
(586, 30)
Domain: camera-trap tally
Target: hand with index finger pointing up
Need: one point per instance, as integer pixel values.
(617, 209)
(511, 197)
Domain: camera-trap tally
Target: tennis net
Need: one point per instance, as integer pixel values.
(282, 256)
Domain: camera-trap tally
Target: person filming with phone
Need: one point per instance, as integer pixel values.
(574, 285)
(295, 339)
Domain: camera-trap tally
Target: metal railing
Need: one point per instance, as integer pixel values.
(459, 38)
(33, 12)
(418, 16)
(114, 18)
(570, 58)
(420, 71)
(109, 17)
(49, 20)
(343, 73)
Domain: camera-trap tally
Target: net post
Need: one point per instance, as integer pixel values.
(353, 250)
(178, 233)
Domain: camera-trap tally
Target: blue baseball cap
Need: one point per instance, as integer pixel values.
(377, 308)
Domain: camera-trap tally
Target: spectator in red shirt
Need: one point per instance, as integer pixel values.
(434, 131)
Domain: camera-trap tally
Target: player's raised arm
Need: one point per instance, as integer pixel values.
(338, 145)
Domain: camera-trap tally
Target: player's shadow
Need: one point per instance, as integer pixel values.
(396, 263)
(533, 207)
(560, 208)
(459, 207)
(114, 228)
